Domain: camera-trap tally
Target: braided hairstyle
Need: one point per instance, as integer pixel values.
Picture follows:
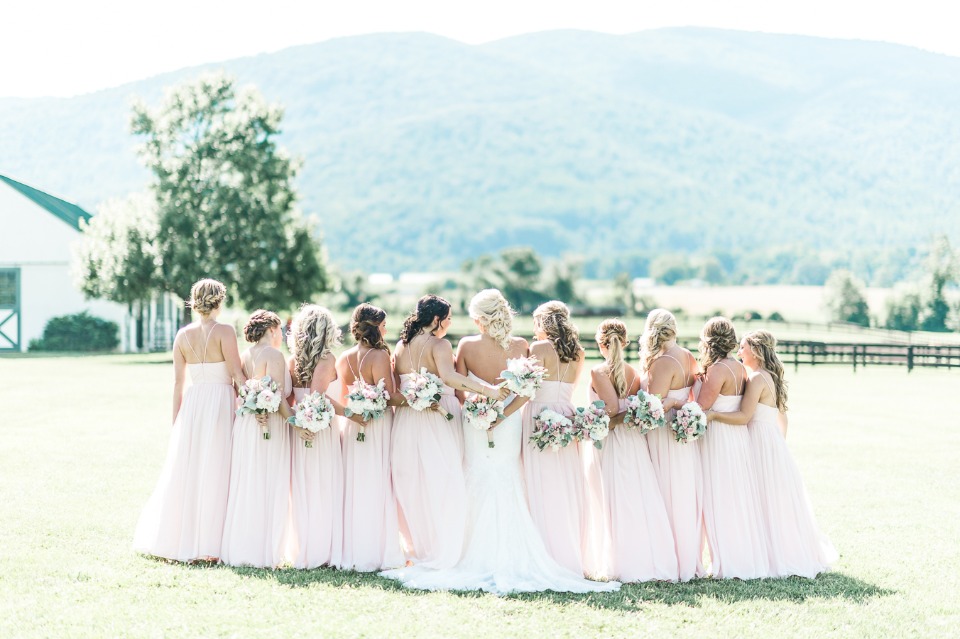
(492, 311)
(763, 345)
(259, 323)
(553, 318)
(206, 296)
(612, 335)
(365, 326)
(717, 341)
(428, 307)
(661, 327)
(313, 335)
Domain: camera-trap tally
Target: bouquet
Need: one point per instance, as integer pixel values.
(423, 390)
(690, 423)
(592, 423)
(481, 412)
(523, 376)
(552, 429)
(644, 411)
(367, 400)
(313, 413)
(259, 396)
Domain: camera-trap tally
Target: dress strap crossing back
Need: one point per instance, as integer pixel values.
(683, 371)
(358, 373)
(422, 351)
(560, 376)
(206, 342)
(769, 384)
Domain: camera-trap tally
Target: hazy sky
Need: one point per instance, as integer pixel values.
(66, 47)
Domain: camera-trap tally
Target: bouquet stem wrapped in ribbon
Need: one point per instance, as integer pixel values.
(259, 396)
(313, 413)
(369, 401)
(423, 390)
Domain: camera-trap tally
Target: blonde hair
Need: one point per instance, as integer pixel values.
(717, 341)
(763, 345)
(206, 296)
(553, 318)
(612, 335)
(661, 327)
(313, 335)
(492, 311)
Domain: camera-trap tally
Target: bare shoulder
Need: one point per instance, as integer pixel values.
(541, 346)
(518, 344)
(599, 369)
(225, 331)
(441, 346)
(467, 342)
(377, 355)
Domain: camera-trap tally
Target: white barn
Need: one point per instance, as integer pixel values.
(36, 282)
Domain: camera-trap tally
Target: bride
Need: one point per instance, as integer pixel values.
(502, 549)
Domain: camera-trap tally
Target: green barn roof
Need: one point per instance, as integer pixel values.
(69, 213)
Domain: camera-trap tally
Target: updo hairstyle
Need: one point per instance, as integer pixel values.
(365, 326)
(612, 335)
(717, 341)
(313, 335)
(763, 345)
(661, 327)
(494, 315)
(259, 323)
(428, 307)
(206, 296)
(553, 318)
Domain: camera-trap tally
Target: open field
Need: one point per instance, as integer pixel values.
(84, 438)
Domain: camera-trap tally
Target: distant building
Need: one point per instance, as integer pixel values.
(36, 283)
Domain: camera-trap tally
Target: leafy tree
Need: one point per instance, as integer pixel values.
(670, 268)
(941, 266)
(623, 290)
(903, 311)
(710, 270)
(225, 195)
(118, 256)
(845, 298)
(563, 280)
(516, 271)
(354, 290)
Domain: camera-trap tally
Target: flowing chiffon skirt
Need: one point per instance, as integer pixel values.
(736, 533)
(183, 518)
(797, 547)
(427, 470)
(371, 533)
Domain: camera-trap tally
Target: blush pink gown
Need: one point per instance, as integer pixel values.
(183, 519)
(736, 533)
(371, 533)
(317, 497)
(641, 546)
(427, 469)
(564, 489)
(797, 547)
(258, 529)
(679, 475)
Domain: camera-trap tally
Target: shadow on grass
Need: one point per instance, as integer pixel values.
(630, 597)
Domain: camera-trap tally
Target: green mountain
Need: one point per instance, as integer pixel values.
(420, 151)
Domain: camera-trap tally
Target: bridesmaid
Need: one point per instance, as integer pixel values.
(564, 487)
(183, 519)
(317, 471)
(733, 521)
(641, 544)
(371, 534)
(257, 528)
(797, 547)
(669, 370)
(427, 450)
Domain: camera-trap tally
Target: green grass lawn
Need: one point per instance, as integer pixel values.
(83, 439)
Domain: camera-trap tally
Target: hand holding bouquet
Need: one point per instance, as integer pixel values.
(313, 413)
(690, 423)
(482, 413)
(523, 376)
(423, 390)
(259, 396)
(644, 411)
(592, 423)
(369, 401)
(552, 429)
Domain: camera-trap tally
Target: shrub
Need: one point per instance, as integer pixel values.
(775, 317)
(78, 332)
(749, 316)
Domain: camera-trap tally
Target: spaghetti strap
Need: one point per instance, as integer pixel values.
(254, 365)
(768, 384)
(358, 374)
(736, 379)
(561, 371)
(683, 372)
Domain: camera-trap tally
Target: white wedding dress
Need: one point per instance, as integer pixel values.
(502, 549)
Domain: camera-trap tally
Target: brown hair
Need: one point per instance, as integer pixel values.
(428, 307)
(553, 318)
(206, 296)
(717, 341)
(612, 335)
(763, 345)
(661, 327)
(365, 326)
(313, 335)
(259, 323)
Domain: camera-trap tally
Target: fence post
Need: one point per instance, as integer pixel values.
(854, 358)
(796, 357)
(909, 358)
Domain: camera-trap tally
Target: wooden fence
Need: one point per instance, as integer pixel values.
(797, 353)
